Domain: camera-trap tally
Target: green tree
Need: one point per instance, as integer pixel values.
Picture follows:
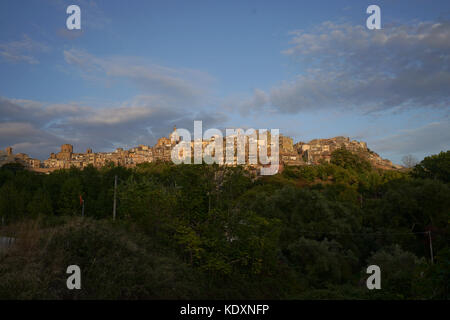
(434, 167)
(348, 160)
(12, 204)
(399, 269)
(69, 200)
(40, 204)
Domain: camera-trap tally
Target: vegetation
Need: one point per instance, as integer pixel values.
(210, 232)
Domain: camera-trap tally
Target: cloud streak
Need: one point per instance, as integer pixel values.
(23, 50)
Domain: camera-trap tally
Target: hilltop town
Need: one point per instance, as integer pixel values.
(300, 153)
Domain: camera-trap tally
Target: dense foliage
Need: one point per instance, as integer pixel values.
(204, 231)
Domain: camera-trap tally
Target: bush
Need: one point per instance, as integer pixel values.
(114, 265)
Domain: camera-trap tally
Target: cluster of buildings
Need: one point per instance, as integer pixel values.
(318, 150)
(301, 153)
(7, 156)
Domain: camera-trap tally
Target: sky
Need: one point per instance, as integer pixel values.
(311, 69)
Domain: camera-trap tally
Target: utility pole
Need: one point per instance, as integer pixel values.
(115, 194)
(431, 246)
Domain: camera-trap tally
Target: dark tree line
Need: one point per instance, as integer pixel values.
(309, 232)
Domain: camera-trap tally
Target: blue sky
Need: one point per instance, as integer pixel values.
(310, 68)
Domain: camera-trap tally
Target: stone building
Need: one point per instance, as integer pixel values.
(8, 156)
(288, 154)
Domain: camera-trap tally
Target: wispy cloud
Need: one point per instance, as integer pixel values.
(181, 84)
(23, 50)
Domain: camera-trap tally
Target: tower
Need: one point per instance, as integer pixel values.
(67, 148)
(65, 153)
(174, 137)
